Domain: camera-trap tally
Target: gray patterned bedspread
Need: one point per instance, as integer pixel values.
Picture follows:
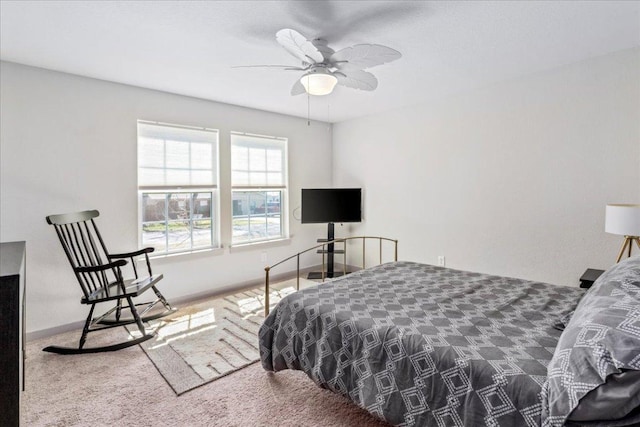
(423, 345)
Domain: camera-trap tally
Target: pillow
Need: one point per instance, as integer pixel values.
(600, 342)
(616, 398)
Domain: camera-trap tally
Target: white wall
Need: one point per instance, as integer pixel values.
(68, 143)
(510, 180)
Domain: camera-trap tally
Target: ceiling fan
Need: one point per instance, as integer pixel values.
(323, 68)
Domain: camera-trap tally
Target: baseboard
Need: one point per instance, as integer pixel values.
(43, 333)
(242, 286)
(187, 299)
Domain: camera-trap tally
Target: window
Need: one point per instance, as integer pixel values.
(259, 188)
(177, 187)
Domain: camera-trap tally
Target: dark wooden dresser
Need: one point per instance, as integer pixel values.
(12, 331)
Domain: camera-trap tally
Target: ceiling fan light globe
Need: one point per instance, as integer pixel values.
(318, 84)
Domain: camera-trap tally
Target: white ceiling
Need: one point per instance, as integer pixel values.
(189, 47)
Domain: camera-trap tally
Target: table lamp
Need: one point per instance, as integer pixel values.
(624, 220)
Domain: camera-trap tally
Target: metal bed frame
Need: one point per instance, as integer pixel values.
(323, 246)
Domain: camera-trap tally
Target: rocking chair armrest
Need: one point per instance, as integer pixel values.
(132, 254)
(102, 267)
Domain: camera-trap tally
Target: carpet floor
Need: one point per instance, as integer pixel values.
(124, 388)
(206, 340)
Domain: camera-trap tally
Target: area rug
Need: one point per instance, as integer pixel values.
(207, 340)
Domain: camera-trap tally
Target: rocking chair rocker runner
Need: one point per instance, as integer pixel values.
(101, 280)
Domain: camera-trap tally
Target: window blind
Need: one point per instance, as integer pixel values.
(172, 157)
(258, 162)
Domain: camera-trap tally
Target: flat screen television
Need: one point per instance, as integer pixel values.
(324, 205)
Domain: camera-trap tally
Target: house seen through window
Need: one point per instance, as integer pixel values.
(259, 188)
(177, 187)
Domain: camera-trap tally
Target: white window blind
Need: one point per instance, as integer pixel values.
(172, 157)
(258, 162)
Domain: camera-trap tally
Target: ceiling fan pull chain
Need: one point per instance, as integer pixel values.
(308, 109)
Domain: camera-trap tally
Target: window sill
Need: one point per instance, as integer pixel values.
(213, 251)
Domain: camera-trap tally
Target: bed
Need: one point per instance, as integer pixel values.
(416, 344)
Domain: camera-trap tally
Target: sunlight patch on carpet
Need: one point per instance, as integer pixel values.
(205, 341)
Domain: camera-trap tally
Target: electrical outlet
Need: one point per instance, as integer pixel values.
(441, 260)
(263, 257)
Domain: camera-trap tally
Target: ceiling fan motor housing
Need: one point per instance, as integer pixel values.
(322, 47)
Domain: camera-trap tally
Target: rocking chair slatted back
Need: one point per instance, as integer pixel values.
(85, 248)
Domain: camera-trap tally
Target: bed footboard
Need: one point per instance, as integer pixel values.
(323, 245)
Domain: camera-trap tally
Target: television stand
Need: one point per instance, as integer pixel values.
(317, 275)
(330, 252)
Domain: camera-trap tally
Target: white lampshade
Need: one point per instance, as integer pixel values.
(318, 81)
(623, 220)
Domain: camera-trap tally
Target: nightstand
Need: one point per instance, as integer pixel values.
(589, 276)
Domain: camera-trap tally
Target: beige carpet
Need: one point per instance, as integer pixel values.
(212, 338)
(124, 388)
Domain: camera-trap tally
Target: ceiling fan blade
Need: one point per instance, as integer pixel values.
(297, 88)
(356, 79)
(298, 46)
(364, 56)
(285, 67)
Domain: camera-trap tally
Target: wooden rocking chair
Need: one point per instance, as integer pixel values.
(101, 280)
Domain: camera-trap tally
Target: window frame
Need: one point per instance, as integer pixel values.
(283, 188)
(189, 190)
